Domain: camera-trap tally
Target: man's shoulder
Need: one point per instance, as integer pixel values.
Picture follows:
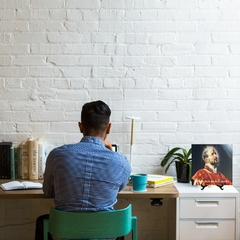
(120, 157)
(67, 146)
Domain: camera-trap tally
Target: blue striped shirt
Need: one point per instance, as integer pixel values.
(85, 176)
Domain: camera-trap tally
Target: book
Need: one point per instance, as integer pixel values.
(160, 184)
(24, 163)
(14, 185)
(33, 159)
(13, 170)
(5, 160)
(43, 150)
(41, 160)
(18, 162)
(156, 180)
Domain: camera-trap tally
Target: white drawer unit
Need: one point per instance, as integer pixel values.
(213, 229)
(208, 214)
(207, 207)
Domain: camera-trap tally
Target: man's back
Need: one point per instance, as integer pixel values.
(85, 176)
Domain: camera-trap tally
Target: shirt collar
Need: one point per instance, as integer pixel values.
(92, 140)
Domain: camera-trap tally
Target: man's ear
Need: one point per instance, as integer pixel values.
(80, 127)
(108, 128)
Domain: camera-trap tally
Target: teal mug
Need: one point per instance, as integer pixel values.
(139, 182)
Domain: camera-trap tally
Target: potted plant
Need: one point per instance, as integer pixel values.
(183, 163)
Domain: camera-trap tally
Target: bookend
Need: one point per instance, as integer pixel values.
(220, 186)
(156, 202)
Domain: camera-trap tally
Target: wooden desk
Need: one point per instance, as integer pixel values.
(20, 209)
(21, 194)
(168, 191)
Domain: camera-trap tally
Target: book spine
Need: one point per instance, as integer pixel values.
(33, 159)
(13, 176)
(19, 162)
(5, 160)
(16, 152)
(160, 181)
(24, 161)
(41, 160)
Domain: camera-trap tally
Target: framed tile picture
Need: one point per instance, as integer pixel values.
(211, 164)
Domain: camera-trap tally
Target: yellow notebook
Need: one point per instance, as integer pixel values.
(156, 179)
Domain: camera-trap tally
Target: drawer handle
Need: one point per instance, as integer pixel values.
(207, 202)
(206, 224)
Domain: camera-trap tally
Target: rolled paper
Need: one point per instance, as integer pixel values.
(132, 129)
(131, 139)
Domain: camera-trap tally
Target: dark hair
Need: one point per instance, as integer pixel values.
(95, 117)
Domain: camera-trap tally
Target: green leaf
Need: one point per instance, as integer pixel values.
(174, 155)
(169, 155)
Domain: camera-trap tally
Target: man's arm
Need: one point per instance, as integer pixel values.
(48, 187)
(126, 174)
(108, 144)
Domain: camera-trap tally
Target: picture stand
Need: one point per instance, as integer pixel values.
(220, 186)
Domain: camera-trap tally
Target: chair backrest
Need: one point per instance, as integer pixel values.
(87, 225)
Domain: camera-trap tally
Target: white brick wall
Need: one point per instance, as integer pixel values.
(173, 63)
(177, 59)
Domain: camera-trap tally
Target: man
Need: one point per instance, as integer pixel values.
(209, 174)
(86, 176)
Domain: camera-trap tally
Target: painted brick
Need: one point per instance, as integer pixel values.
(12, 83)
(47, 4)
(14, 49)
(63, 37)
(60, 127)
(72, 94)
(6, 14)
(46, 116)
(33, 127)
(33, 37)
(29, 60)
(14, 116)
(4, 106)
(49, 49)
(63, 60)
(81, 4)
(46, 26)
(5, 4)
(5, 61)
(27, 105)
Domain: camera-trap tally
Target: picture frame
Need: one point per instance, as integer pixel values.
(212, 164)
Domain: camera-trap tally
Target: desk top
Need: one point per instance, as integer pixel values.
(187, 190)
(168, 191)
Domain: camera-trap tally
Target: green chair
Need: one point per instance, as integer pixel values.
(90, 225)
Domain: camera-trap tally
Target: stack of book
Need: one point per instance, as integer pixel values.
(156, 180)
(24, 161)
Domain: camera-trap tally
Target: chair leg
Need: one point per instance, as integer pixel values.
(134, 228)
(45, 233)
